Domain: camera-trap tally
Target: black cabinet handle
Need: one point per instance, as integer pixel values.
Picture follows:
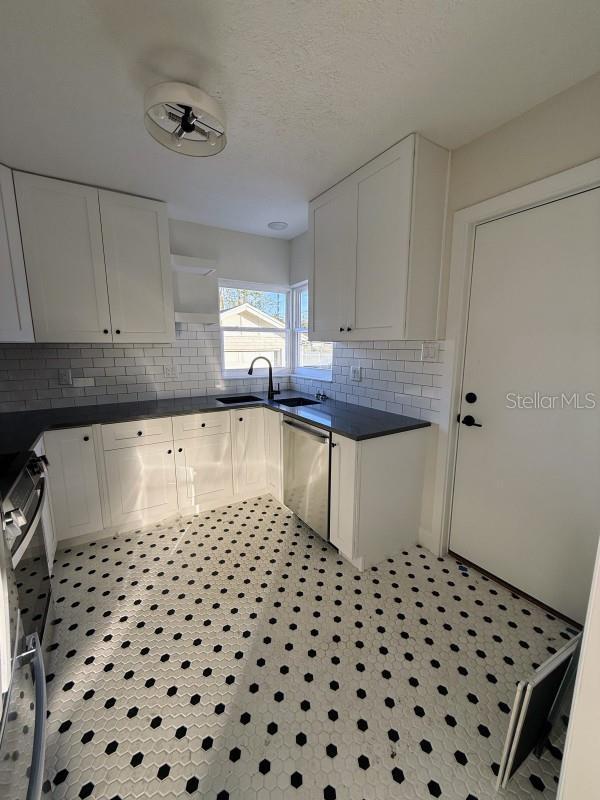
(203, 425)
(341, 329)
(86, 438)
(105, 330)
(169, 452)
(348, 329)
(469, 421)
(334, 444)
(117, 331)
(471, 397)
(139, 433)
(241, 419)
(180, 449)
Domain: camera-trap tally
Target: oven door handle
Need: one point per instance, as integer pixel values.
(30, 530)
(35, 656)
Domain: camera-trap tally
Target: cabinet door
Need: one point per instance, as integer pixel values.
(248, 432)
(141, 483)
(136, 247)
(273, 452)
(204, 471)
(343, 495)
(383, 239)
(333, 228)
(73, 478)
(64, 259)
(47, 518)
(15, 314)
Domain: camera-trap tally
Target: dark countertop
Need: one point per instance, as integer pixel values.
(20, 431)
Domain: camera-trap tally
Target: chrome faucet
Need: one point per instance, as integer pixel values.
(271, 392)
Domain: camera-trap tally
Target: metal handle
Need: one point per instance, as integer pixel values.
(306, 432)
(139, 433)
(86, 438)
(36, 774)
(469, 421)
(30, 530)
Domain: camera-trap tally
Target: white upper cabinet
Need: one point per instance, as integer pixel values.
(97, 263)
(15, 316)
(64, 259)
(377, 244)
(334, 229)
(138, 268)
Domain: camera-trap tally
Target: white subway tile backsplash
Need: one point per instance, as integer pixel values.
(393, 378)
(105, 373)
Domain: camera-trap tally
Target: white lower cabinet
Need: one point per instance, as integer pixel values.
(141, 483)
(204, 471)
(73, 478)
(248, 439)
(376, 494)
(273, 453)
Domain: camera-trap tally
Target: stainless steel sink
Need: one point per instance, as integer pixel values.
(239, 398)
(293, 402)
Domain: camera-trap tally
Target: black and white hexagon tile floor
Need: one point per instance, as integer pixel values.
(234, 654)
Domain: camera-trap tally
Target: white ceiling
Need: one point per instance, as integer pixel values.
(311, 88)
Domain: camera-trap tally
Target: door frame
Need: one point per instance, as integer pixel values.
(555, 187)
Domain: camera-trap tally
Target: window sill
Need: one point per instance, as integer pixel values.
(304, 376)
(242, 375)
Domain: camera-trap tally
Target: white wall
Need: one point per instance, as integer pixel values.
(240, 256)
(558, 134)
(299, 258)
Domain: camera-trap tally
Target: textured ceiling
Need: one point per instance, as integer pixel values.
(311, 88)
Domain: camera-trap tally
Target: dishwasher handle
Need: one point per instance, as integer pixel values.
(321, 438)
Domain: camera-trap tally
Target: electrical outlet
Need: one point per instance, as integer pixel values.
(171, 371)
(65, 377)
(355, 373)
(430, 351)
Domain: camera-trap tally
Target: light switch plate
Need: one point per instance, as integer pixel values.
(355, 373)
(430, 351)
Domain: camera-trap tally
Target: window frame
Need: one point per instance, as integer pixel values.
(297, 329)
(261, 371)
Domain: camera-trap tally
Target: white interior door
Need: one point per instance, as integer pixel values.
(526, 495)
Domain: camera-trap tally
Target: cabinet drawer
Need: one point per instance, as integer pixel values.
(130, 434)
(191, 426)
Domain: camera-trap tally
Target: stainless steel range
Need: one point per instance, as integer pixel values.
(24, 601)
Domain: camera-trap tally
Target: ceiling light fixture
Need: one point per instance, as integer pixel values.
(184, 119)
(277, 226)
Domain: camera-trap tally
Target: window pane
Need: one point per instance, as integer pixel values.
(252, 308)
(303, 308)
(240, 347)
(317, 355)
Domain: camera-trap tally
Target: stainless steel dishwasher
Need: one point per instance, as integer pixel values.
(306, 474)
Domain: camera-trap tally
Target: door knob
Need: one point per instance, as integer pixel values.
(469, 421)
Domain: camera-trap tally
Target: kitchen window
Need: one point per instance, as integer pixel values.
(311, 359)
(255, 321)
